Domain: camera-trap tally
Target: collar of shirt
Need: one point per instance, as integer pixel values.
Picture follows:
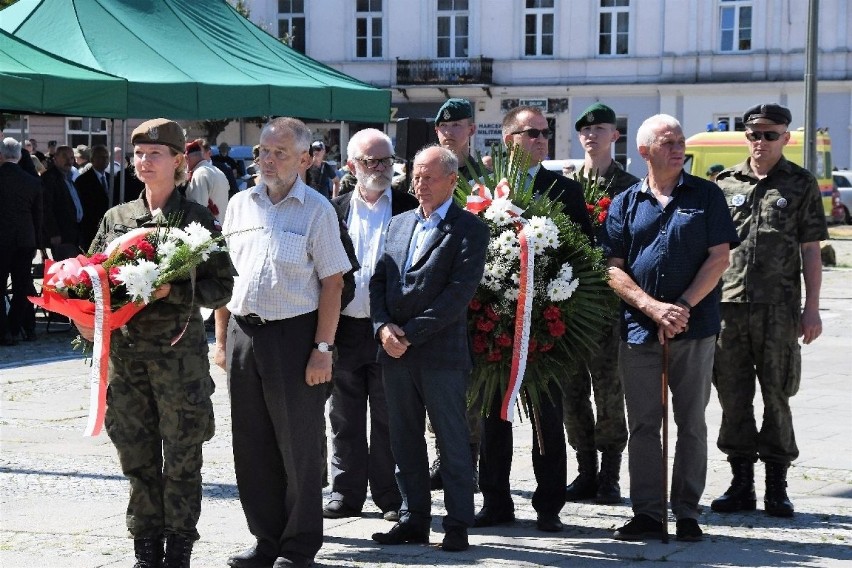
(356, 196)
(647, 188)
(534, 170)
(296, 192)
(436, 216)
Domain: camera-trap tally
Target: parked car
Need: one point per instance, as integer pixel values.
(843, 184)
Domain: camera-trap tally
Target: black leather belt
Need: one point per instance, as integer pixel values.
(253, 319)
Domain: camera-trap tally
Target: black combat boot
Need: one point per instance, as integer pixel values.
(609, 491)
(775, 501)
(740, 495)
(178, 551)
(474, 458)
(149, 552)
(585, 485)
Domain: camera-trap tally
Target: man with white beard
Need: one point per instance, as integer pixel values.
(357, 376)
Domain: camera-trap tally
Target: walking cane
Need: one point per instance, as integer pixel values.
(665, 397)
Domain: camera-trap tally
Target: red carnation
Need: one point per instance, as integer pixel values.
(98, 258)
(484, 325)
(475, 305)
(113, 276)
(590, 208)
(552, 313)
(604, 202)
(491, 314)
(533, 344)
(556, 328)
(545, 347)
(503, 340)
(147, 249)
(85, 279)
(601, 216)
(494, 356)
(480, 343)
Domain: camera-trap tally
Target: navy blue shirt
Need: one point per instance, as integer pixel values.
(663, 249)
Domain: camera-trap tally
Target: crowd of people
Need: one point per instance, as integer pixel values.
(375, 323)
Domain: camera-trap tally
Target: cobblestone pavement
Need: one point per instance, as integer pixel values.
(62, 496)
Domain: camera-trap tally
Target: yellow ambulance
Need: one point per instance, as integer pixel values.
(729, 148)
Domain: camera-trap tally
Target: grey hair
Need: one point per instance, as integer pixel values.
(646, 134)
(11, 149)
(360, 139)
(447, 158)
(301, 133)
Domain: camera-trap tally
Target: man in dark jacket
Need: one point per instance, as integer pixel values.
(63, 210)
(20, 223)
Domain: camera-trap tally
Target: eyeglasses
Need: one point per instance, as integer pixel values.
(535, 133)
(373, 163)
(757, 135)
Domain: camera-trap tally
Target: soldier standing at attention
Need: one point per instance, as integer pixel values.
(159, 411)
(597, 132)
(777, 209)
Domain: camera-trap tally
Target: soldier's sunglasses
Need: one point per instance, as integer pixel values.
(535, 132)
(757, 135)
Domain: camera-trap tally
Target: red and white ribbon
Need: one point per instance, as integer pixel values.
(481, 198)
(523, 319)
(98, 378)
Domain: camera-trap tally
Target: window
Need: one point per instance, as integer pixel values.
(538, 28)
(88, 131)
(614, 27)
(291, 23)
(453, 17)
(368, 29)
(722, 123)
(735, 25)
(10, 125)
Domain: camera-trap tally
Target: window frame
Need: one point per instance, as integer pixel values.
(539, 13)
(737, 7)
(370, 16)
(301, 42)
(453, 38)
(613, 12)
(75, 135)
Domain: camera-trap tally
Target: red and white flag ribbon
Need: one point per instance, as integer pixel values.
(523, 319)
(100, 353)
(481, 199)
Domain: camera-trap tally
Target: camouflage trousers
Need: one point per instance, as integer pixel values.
(609, 432)
(159, 414)
(758, 344)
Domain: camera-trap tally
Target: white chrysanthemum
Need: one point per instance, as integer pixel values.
(196, 235)
(563, 287)
(139, 279)
(166, 251)
(566, 272)
(544, 232)
(508, 246)
(510, 294)
(498, 212)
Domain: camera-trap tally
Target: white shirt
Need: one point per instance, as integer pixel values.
(207, 184)
(280, 265)
(424, 228)
(368, 225)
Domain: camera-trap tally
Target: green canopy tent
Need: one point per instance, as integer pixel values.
(34, 81)
(193, 60)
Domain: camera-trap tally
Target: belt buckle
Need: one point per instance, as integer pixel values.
(255, 319)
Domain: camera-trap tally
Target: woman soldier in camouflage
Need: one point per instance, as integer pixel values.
(159, 411)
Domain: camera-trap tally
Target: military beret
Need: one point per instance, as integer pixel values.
(160, 131)
(598, 113)
(714, 169)
(193, 147)
(454, 109)
(771, 113)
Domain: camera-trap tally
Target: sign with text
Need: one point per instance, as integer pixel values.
(536, 103)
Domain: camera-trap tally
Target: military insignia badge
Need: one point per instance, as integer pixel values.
(738, 200)
(781, 203)
(153, 133)
(447, 114)
(590, 118)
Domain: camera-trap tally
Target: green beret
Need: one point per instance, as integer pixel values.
(160, 131)
(770, 113)
(714, 169)
(598, 113)
(454, 109)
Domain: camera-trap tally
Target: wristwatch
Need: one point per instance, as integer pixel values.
(323, 347)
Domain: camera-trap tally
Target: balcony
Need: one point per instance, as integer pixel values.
(475, 71)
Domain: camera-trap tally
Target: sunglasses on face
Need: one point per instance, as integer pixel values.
(535, 133)
(373, 163)
(757, 135)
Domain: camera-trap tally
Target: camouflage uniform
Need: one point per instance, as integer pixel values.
(761, 306)
(609, 434)
(158, 403)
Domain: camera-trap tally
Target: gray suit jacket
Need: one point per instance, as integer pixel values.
(429, 302)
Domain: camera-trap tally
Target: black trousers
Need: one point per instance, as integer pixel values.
(17, 263)
(549, 462)
(278, 426)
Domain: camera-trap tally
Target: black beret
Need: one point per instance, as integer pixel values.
(452, 110)
(770, 113)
